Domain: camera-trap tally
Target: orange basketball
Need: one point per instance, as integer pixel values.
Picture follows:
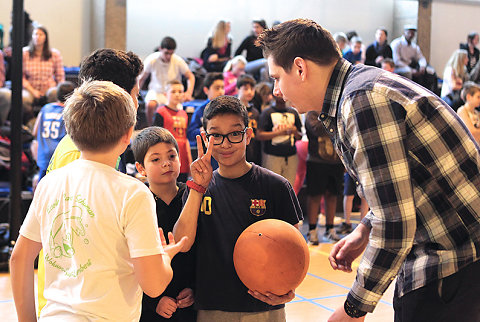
(271, 256)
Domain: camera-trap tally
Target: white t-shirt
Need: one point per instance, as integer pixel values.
(162, 73)
(91, 219)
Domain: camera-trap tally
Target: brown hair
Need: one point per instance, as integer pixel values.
(469, 88)
(46, 51)
(149, 137)
(298, 38)
(98, 114)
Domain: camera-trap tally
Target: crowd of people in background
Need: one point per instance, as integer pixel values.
(283, 141)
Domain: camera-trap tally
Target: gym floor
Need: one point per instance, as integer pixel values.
(322, 291)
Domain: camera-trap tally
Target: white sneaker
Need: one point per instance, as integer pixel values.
(331, 235)
(313, 236)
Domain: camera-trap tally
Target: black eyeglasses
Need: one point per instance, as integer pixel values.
(232, 137)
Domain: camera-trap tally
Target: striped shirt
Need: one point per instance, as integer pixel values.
(43, 74)
(417, 165)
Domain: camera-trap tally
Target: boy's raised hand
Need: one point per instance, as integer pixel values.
(201, 168)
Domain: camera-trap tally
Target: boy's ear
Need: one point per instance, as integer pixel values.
(140, 169)
(300, 66)
(249, 134)
(205, 90)
(128, 135)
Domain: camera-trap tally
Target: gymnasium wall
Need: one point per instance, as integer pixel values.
(67, 22)
(190, 22)
(451, 22)
(71, 29)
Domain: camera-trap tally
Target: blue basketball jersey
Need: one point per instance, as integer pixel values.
(51, 129)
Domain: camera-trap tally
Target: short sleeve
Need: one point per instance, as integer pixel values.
(31, 228)
(139, 220)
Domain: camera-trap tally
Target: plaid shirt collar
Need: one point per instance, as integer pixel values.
(335, 87)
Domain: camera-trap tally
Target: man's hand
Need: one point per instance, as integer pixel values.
(166, 307)
(341, 316)
(201, 168)
(272, 299)
(185, 298)
(350, 247)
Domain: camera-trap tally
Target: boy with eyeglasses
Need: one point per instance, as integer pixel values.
(220, 205)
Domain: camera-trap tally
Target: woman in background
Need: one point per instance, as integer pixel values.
(454, 75)
(42, 71)
(219, 47)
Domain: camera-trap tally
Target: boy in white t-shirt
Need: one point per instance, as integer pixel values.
(96, 225)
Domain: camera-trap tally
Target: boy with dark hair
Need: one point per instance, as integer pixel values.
(213, 86)
(220, 205)
(120, 67)
(246, 92)
(49, 127)
(156, 155)
(164, 66)
(176, 120)
(280, 127)
(413, 160)
(96, 225)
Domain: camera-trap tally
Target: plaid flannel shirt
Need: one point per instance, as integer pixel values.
(43, 74)
(418, 168)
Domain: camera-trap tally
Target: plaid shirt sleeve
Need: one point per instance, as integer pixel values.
(58, 71)
(373, 138)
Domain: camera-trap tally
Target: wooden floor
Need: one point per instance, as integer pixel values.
(322, 291)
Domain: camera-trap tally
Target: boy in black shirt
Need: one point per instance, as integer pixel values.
(230, 199)
(156, 156)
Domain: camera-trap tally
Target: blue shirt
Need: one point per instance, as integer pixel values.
(351, 57)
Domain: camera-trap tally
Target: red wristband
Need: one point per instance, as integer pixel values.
(192, 185)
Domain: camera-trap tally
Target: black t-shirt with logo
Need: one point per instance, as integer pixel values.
(228, 208)
(283, 145)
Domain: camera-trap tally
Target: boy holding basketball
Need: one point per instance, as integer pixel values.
(220, 205)
(157, 157)
(96, 225)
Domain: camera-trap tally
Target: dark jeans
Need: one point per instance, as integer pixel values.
(454, 298)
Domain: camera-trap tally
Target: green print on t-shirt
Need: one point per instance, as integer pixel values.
(67, 231)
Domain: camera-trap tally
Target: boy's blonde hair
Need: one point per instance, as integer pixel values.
(98, 114)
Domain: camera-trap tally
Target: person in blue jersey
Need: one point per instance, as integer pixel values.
(50, 128)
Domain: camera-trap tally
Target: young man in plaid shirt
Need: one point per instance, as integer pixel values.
(413, 160)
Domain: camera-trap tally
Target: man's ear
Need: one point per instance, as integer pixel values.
(140, 169)
(300, 66)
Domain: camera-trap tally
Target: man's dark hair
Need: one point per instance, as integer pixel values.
(117, 66)
(298, 38)
(168, 43)
(64, 89)
(224, 105)
(149, 137)
(211, 77)
(246, 80)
